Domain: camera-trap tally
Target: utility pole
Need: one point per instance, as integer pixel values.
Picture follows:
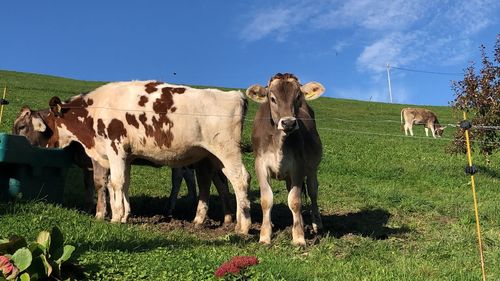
(389, 80)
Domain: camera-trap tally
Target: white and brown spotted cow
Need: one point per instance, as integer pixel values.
(287, 147)
(31, 124)
(420, 116)
(163, 123)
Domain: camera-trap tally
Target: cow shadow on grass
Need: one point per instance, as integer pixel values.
(370, 223)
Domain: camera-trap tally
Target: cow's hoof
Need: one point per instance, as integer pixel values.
(317, 228)
(228, 219)
(100, 216)
(265, 240)
(300, 242)
(116, 220)
(243, 227)
(198, 221)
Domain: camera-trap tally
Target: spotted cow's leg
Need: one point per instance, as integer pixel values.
(116, 188)
(126, 199)
(240, 180)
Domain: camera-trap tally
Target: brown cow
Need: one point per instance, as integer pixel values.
(30, 123)
(162, 123)
(421, 116)
(287, 147)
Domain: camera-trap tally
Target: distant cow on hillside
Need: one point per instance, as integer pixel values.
(287, 147)
(421, 116)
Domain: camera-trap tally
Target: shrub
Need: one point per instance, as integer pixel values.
(479, 95)
(47, 258)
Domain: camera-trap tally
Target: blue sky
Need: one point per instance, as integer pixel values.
(344, 44)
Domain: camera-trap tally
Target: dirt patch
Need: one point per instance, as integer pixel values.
(210, 230)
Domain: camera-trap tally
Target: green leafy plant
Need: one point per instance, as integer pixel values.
(47, 258)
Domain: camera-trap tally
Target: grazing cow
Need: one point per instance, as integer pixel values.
(287, 147)
(30, 123)
(421, 116)
(162, 123)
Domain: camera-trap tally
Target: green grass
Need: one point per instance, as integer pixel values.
(394, 207)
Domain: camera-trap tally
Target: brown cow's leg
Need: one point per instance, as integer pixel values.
(220, 182)
(188, 175)
(204, 178)
(294, 203)
(431, 127)
(312, 190)
(100, 181)
(266, 202)
(88, 182)
(176, 185)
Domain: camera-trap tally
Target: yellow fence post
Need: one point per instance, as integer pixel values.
(470, 169)
(2, 102)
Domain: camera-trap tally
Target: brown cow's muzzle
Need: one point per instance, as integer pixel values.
(288, 124)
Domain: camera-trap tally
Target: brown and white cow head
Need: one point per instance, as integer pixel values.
(31, 124)
(285, 95)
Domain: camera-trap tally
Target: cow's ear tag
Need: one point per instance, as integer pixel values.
(312, 90)
(58, 108)
(257, 93)
(38, 125)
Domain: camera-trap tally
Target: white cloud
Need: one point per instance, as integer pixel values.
(277, 21)
(401, 32)
(374, 15)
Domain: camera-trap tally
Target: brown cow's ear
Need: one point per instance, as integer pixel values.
(55, 106)
(38, 124)
(257, 93)
(312, 90)
(25, 111)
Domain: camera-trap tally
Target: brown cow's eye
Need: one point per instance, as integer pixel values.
(273, 100)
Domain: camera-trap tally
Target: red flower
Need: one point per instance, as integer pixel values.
(235, 265)
(6, 266)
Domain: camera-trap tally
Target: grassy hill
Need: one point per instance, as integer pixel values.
(393, 207)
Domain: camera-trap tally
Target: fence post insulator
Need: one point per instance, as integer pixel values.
(466, 125)
(471, 170)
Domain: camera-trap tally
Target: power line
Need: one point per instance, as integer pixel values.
(428, 72)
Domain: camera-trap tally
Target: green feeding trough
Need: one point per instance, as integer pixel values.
(31, 173)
